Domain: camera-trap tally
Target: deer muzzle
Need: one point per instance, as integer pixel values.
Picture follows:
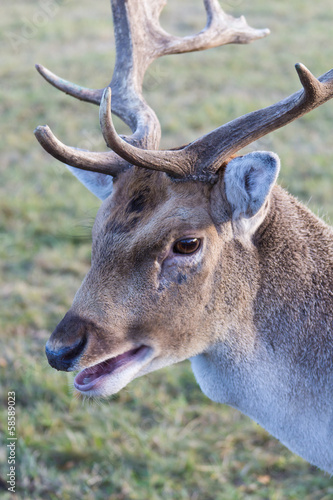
(67, 343)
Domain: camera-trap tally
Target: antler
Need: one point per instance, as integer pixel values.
(201, 159)
(139, 41)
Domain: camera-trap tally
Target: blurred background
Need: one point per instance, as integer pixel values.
(160, 437)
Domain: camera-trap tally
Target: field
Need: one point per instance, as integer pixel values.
(160, 438)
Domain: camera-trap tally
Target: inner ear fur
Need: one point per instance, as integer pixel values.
(248, 182)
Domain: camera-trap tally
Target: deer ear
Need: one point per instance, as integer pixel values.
(249, 180)
(98, 184)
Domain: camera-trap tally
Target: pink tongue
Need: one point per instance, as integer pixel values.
(88, 375)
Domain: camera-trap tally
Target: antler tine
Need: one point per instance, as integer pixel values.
(221, 29)
(164, 161)
(201, 159)
(106, 163)
(81, 93)
(230, 138)
(135, 51)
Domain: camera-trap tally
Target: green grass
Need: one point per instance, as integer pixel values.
(160, 437)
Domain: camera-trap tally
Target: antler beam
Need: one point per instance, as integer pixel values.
(201, 159)
(139, 41)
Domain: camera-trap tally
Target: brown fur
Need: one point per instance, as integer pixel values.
(258, 307)
(146, 211)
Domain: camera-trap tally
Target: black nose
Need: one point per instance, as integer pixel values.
(64, 358)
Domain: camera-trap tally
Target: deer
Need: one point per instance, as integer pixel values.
(197, 253)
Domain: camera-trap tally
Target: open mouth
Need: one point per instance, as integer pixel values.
(90, 378)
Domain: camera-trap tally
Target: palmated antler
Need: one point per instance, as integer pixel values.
(139, 41)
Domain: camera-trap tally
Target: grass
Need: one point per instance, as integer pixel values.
(160, 437)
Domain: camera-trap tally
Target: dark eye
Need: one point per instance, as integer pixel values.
(186, 245)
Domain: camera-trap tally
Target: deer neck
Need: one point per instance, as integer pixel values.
(275, 362)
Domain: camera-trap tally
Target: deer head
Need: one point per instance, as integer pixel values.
(175, 270)
(154, 237)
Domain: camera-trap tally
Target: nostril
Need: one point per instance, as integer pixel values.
(75, 350)
(64, 358)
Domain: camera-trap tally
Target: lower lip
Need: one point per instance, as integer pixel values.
(124, 363)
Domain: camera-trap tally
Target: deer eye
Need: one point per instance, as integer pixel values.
(186, 246)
